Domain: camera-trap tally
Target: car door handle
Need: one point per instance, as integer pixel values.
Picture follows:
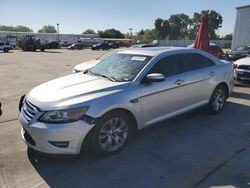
(179, 82)
(212, 73)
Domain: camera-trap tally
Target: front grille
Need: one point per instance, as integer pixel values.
(29, 111)
(246, 67)
(28, 138)
(244, 75)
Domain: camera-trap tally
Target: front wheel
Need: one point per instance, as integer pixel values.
(111, 133)
(218, 99)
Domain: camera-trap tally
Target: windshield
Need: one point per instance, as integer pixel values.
(120, 67)
(104, 56)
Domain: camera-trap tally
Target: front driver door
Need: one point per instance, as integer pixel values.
(160, 100)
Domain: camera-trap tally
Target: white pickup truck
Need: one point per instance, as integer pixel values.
(5, 46)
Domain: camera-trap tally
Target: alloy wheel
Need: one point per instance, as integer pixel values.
(219, 99)
(113, 134)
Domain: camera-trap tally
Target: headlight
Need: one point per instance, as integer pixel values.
(64, 116)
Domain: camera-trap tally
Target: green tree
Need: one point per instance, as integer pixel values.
(158, 28)
(228, 37)
(179, 26)
(47, 29)
(166, 29)
(141, 32)
(22, 28)
(162, 28)
(89, 31)
(139, 36)
(145, 36)
(19, 28)
(110, 33)
(149, 35)
(214, 22)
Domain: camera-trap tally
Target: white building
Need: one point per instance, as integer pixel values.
(242, 27)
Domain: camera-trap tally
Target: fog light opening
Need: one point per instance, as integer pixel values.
(59, 144)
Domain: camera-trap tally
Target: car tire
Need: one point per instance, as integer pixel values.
(32, 48)
(218, 99)
(111, 134)
(5, 50)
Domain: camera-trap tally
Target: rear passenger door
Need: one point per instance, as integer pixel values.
(198, 73)
(189, 83)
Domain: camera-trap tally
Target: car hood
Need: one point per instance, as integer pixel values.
(74, 89)
(243, 61)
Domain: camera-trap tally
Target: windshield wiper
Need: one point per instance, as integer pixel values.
(102, 75)
(90, 72)
(108, 77)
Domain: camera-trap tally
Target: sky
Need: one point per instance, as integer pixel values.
(75, 16)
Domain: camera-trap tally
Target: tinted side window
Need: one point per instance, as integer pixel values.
(1, 44)
(167, 66)
(194, 61)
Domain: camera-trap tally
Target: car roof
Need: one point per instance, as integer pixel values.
(153, 51)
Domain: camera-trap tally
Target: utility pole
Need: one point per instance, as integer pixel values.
(130, 31)
(58, 39)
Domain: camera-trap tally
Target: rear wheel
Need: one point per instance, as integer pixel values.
(5, 49)
(111, 133)
(218, 99)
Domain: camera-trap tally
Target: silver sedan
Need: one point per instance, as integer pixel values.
(99, 110)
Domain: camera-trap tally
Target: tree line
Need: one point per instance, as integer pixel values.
(21, 28)
(177, 26)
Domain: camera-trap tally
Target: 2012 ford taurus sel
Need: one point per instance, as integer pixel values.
(99, 109)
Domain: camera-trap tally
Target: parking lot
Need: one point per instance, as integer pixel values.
(193, 150)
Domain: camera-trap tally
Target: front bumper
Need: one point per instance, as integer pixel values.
(241, 74)
(42, 136)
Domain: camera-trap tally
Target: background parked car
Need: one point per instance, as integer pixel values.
(5, 46)
(239, 52)
(242, 69)
(86, 65)
(53, 45)
(114, 45)
(215, 50)
(101, 46)
(143, 45)
(75, 47)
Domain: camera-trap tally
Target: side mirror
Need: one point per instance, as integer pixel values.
(154, 77)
